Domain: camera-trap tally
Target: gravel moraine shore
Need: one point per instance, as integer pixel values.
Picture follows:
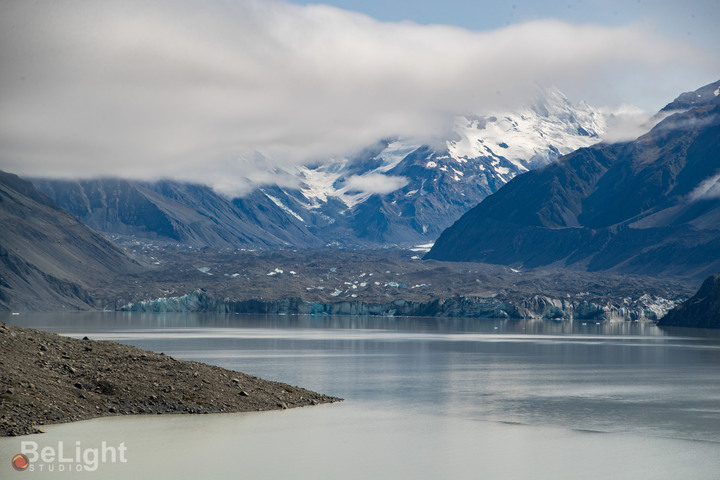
(46, 378)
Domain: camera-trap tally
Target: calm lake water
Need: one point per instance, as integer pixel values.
(425, 399)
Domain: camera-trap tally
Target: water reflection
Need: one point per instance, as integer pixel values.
(437, 386)
(124, 320)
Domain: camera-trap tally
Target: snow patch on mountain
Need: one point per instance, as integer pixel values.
(321, 184)
(395, 153)
(531, 137)
(283, 207)
(317, 183)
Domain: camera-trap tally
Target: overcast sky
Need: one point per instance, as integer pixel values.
(193, 89)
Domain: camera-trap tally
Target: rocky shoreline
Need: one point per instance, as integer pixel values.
(46, 379)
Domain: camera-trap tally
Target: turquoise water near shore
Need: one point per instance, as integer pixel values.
(425, 398)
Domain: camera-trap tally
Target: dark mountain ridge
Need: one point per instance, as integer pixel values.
(174, 212)
(48, 259)
(647, 206)
(702, 310)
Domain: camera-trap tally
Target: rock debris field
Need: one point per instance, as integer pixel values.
(46, 379)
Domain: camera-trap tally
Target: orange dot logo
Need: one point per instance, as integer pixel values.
(20, 462)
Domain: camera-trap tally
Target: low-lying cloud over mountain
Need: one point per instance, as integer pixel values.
(650, 206)
(190, 89)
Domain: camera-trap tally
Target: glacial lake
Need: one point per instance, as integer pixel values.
(424, 399)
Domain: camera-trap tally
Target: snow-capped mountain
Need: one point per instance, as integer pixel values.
(648, 206)
(398, 191)
(401, 191)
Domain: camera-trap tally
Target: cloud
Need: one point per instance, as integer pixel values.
(628, 122)
(190, 89)
(375, 183)
(709, 189)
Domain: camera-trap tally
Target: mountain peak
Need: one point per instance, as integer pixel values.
(532, 136)
(706, 95)
(645, 206)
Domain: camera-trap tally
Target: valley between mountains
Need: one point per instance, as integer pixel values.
(536, 216)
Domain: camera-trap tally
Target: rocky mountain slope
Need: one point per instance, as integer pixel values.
(48, 259)
(172, 212)
(398, 191)
(702, 310)
(649, 206)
